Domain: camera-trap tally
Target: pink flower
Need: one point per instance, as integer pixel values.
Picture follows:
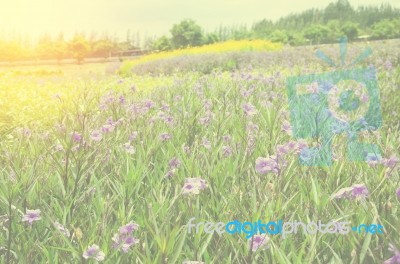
(398, 193)
(31, 216)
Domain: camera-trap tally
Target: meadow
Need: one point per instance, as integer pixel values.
(107, 163)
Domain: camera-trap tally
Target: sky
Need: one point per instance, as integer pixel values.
(149, 17)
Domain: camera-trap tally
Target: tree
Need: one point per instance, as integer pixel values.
(316, 33)
(341, 10)
(350, 30)
(279, 36)
(79, 47)
(10, 51)
(59, 48)
(263, 28)
(161, 44)
(103, 48)
(186, 33)
(385, 29)
(211, 38)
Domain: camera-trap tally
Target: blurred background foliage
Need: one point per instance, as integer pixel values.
(312, 26)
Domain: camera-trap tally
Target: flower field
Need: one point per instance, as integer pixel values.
(101, 167)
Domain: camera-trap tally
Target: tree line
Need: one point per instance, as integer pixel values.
(312, 26)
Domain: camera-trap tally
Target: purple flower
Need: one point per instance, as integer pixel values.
(390, 162)
(194, 185)
(259, 242)
(226, 138)
(122, 99)
(149, 104)
(123, 240)
(206, 120)
(364, 98)
(359, 191)
(398, 193)
(94, 252)
(206, 143)
(249, 109)
(396, 257)
(282, 150)
(76, 136)
(226, 151)
(96, 135)
(128, 228)
(246, 93)
(251, 127)
(31, 215)
(169, 120)
(174, 163)
(165, 107)
(107, 128)
(165, 136)
(265, 165)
